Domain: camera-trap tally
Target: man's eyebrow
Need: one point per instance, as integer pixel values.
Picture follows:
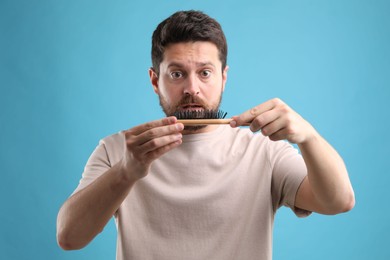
(204, 64)
(175, 64)
(198, 64)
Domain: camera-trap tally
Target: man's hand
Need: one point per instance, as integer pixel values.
(327, 188)
(276, 120)
(147, 142)
(86, 213)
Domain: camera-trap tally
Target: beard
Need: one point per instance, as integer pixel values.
(172, 109)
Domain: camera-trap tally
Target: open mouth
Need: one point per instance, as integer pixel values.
(192, 107)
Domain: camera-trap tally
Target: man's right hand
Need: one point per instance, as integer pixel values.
(147, 142)
(86, 212)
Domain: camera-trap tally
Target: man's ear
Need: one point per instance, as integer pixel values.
(153, 79)
(224, 77)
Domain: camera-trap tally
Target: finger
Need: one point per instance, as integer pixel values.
(156, 132)
(157, 143)
(249, 115)
(279, 135)
(273, 127)
(153, 124)
(263, 120)
(154, 154)
(286, 133)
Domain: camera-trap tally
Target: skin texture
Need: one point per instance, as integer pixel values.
(190, 78)
(327, 188)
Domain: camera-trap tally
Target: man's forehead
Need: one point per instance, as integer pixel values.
(194, 53)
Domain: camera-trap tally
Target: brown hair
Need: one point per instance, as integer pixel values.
(187, 26)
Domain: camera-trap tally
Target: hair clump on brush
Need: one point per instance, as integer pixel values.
(200, 114)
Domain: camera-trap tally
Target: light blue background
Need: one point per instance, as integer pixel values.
(72, 72)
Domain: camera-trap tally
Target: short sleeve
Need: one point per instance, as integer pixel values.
(108, 153)
(288, 172)
(97, 164)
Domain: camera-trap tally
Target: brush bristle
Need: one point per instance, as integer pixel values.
(200, 114)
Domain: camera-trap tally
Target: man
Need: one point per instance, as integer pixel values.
(202, 192)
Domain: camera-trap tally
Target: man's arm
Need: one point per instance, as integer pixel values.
(327, 188)
(85, 214)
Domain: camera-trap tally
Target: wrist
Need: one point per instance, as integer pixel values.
(132, 171)
(312, 139)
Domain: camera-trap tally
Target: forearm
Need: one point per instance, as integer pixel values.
(85, 214)
(327, 175)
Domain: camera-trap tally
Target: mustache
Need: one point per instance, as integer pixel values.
(191, 100)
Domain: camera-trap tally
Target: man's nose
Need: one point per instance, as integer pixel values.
(192, 86)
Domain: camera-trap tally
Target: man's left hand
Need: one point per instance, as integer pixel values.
(276, 120)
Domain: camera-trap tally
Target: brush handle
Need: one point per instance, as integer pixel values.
(206, 122)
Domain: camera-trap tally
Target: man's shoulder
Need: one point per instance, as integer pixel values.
(114, 143)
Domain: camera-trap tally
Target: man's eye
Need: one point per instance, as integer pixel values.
(205, 73)
(176, 75)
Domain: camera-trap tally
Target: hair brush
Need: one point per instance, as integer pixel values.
(202, 117)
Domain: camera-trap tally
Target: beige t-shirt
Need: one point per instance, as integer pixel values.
(213, 197)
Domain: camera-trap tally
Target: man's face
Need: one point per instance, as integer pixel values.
(191, 77)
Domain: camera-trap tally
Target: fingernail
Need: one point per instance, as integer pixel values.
(179, 127)
(233, 123)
